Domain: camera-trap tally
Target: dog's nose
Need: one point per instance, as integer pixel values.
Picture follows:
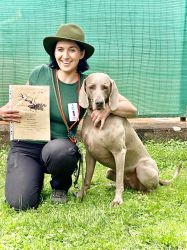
(99, 103)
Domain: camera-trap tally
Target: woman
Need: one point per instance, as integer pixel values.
(28, 161)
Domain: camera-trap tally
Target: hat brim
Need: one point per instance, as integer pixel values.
(50, 42)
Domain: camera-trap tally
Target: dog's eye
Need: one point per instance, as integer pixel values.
(92, 87)
(104, 87)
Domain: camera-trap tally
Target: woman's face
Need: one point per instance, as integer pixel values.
(68, 55)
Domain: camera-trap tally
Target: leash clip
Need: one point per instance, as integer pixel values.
(72, 137)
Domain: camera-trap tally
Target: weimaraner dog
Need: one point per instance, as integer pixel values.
(116, 146)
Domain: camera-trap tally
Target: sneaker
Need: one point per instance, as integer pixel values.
(59, 196)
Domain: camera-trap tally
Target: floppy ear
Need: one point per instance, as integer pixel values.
(113, 98)
(83, 97)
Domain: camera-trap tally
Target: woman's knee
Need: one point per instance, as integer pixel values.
(58, 149)
(60, 155)
(22, 201)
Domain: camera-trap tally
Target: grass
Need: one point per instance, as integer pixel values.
(145, 221)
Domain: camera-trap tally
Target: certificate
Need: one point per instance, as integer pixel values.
(33, 105)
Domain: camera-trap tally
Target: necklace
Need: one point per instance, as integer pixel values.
(60, 107)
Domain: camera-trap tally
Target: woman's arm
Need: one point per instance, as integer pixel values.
(125, 109)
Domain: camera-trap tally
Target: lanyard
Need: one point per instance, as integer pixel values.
(60, 106)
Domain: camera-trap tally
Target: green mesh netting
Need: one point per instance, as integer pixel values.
(141, 44)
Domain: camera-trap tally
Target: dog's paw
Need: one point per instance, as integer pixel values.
(80, 194)
(117, 201)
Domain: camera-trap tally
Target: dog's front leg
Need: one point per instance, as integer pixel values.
(90, 166)
(120, 163)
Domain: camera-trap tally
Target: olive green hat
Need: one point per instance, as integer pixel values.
(70, 32)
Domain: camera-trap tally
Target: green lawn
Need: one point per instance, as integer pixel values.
(157, 220)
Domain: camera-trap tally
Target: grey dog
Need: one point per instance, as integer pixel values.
(116, 146)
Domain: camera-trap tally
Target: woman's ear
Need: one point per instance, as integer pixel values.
(83, 97)
(82, 54)
(113, 98)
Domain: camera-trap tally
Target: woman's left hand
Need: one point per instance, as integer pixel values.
(99, 116)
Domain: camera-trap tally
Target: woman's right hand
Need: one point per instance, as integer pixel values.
(8, 114)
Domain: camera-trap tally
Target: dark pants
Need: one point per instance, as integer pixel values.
(26, 164)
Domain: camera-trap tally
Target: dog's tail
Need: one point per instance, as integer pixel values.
(167, 182)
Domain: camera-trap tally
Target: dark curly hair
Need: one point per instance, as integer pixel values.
(82, 65)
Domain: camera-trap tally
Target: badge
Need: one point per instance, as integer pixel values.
(73, 112)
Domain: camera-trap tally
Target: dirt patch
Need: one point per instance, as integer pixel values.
(4, 138)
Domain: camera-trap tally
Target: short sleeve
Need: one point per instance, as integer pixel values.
(34, 76)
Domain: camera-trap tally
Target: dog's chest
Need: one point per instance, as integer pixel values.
(98, 146)
(95, 139)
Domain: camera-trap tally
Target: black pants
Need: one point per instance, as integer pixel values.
(26, 164)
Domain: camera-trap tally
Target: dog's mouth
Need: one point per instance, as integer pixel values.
(96, 108)
(99, 107)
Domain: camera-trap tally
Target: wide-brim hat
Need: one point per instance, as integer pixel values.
(70, 32)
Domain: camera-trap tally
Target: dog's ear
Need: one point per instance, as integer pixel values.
(113, 98)
(83, 97)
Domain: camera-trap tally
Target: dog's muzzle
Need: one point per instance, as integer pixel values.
(99, 103)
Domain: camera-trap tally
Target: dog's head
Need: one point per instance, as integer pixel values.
(97, 90)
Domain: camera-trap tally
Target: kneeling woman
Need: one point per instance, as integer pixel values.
(29, 161)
